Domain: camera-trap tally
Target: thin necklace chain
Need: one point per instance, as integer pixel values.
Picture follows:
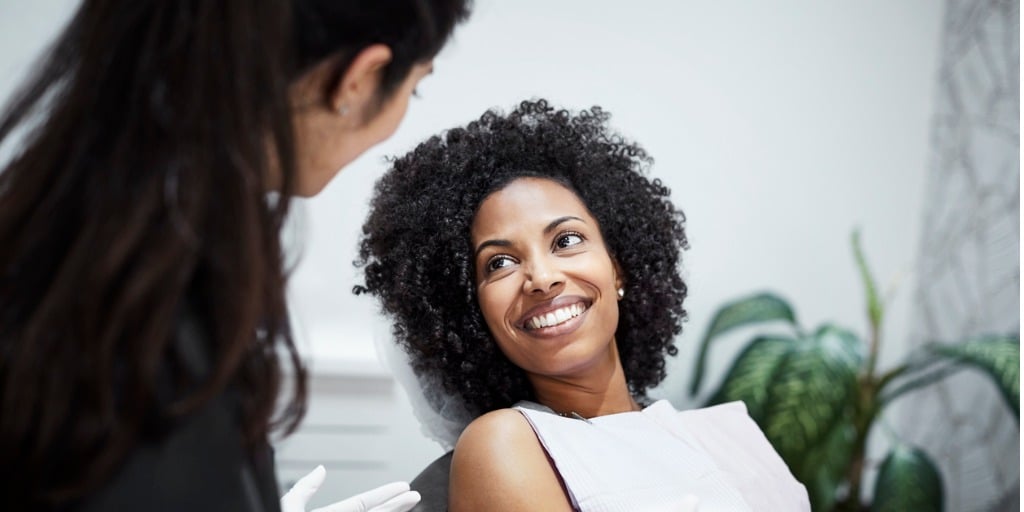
(641, 403)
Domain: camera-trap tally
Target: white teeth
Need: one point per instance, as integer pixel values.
(556, 317)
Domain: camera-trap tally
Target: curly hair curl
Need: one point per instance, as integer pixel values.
(418, 260)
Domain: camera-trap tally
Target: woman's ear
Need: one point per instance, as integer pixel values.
(620, 282)
(356, 92)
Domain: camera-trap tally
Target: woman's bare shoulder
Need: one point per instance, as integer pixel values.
(496, 442)
(502, 422)
(499, 464)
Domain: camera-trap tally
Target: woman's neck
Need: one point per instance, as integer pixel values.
(599, 390)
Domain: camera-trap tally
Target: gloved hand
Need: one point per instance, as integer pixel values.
(393, 497)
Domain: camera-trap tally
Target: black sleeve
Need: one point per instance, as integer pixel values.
(200, 466)
(198, 462)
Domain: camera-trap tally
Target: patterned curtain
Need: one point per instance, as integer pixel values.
(968, 273)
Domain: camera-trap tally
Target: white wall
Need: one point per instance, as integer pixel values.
(779, 126)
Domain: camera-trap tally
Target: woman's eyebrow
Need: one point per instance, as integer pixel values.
(554, 224)
(489, 243)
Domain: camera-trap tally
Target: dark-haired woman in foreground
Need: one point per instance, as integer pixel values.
(142, 280)
(531, 270)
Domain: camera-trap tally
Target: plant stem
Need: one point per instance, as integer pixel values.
(873, 350)
(935, 375)
(888, 376)
(865, 409)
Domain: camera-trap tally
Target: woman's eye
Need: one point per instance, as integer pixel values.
(568, 240)
(498, 263)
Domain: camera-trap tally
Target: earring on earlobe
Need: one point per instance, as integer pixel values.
(622, 292)
(342, 110)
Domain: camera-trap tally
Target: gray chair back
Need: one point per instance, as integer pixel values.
(432, 484)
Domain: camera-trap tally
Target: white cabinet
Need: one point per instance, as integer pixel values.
(360, 427)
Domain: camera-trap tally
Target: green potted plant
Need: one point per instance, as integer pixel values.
(817, 395)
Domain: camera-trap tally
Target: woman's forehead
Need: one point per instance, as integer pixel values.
(528, 200)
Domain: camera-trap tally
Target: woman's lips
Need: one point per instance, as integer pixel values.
(554, 313)
(556, 317)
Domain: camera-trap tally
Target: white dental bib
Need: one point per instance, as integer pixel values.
(654, 458)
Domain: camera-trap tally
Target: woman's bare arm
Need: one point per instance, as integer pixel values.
(499, 465)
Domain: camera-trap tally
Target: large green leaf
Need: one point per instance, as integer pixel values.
(800, 392)
(808, 417)
(763, 307)
(907, 480)
(751, 373)
(998, 357)
(825, 466)
(841, 346)
(814, 387)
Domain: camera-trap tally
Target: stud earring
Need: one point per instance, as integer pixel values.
(342, 110)
(622, 293)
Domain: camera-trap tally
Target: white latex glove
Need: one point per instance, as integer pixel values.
(393, 497)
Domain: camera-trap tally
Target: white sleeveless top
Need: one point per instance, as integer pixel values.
(654, 458)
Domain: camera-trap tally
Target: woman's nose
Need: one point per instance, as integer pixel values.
(542, 276)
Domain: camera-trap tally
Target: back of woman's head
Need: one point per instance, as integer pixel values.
(146, 141)
(418, 257)
(415, 30)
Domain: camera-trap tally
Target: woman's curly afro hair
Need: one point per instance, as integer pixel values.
(418, 261)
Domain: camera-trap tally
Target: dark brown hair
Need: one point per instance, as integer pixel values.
(137, 197)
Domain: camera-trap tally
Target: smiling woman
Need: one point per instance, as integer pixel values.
(546, 285)
(531, 269)
(421, 261)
